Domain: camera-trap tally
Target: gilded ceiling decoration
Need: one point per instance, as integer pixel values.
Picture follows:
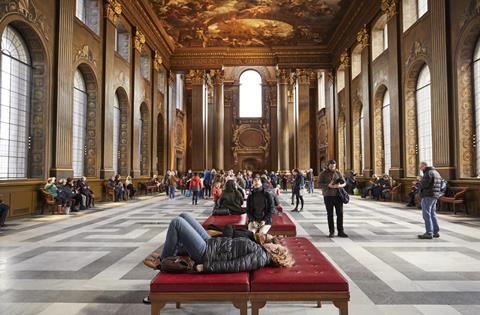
(249, 23)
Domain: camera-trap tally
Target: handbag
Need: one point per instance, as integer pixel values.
(220, 212)
(344, 195)
(177, 264)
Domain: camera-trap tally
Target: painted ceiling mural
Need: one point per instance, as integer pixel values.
(249, 23)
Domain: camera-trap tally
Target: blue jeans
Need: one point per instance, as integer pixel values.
(310, 187)
(185, 234)
(171, 191)
(429, 206)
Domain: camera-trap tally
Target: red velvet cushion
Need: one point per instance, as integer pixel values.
(170, 282)
(281, 222)
(279, 208)
(312, 272)
(235, 220)
(443, 198)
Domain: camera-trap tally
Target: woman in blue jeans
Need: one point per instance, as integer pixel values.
(217, 254)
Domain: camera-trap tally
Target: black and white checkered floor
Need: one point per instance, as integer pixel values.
(91, 263)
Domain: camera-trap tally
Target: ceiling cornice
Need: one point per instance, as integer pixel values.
(283, 57)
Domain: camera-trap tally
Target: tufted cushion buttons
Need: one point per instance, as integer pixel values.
(311, 272)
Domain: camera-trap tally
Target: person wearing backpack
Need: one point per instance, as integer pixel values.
(195, 187)
(430, 191)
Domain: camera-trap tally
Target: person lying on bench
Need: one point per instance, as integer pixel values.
(217, 254)
(260, 207)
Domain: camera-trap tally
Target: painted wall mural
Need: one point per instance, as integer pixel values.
(249, 23)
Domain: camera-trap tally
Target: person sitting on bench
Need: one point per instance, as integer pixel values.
(260, 207)
(231, 198)
(217, 254)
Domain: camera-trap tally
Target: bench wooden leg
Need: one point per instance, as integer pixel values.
(178, 304)
(156, 307)
(242, 306)
(256, 306)
(342, 307)
(319, 304)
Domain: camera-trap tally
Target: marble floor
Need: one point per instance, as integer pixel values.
(91, 263)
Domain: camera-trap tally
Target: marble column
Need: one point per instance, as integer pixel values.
(112, 10)
(62, 151)
(303, 119)
(219, 117)
(197, 78)
(396, 127)
(283, 80)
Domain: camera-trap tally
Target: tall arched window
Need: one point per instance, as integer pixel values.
(250, 94)
(15, 104)
(476, 84)
(424, 116)
(387, 146)
(116, 134)
(362, 138)
(79, 124)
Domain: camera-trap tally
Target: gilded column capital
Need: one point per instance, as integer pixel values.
(113, 9)
(218, 76)
(363, 37)
(303, 76)
(139, 40)
(196, 77)
(345, 59)
(157, 61)
(283, 76)
(389, 7)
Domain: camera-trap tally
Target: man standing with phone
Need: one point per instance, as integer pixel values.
(330, 181)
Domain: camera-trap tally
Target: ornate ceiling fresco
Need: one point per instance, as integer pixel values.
(249, 23)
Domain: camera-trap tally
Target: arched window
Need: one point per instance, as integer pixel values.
(340, 80)
(145, 66)
(79, 124)
(362, 138)
(87, 11)
(15, 105)
(476, 83)
(424, 116)
(179, 91)
(116, 134)
(250, 94)
(387, 147)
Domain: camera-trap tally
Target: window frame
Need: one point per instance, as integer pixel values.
(20, 57)
(425, 150)
(78, 161)
(387, 133)
(258, 99)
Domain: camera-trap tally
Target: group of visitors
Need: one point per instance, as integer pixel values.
(378, 187)
(70, 195)
(122, 190)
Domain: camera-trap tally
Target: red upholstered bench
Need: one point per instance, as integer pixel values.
(312, 278)
(281, 223)
(177, 288)
(237, 221)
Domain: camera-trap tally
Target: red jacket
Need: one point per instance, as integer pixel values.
(195, 183)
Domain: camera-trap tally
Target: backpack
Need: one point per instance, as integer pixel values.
(344, 195)
(177, 264)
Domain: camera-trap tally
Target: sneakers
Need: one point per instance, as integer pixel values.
(436, 235)
(331, 235)
(295, 210)
(342, 234)
(426, 236)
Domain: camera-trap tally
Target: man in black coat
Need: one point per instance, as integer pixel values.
(430, 191)
(260, 207)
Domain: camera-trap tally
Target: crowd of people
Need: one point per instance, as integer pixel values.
(70, 195)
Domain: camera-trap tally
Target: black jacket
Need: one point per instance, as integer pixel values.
(431, 183)
(231, 199)
(298, 183)
(253, 214)
(228, 255)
